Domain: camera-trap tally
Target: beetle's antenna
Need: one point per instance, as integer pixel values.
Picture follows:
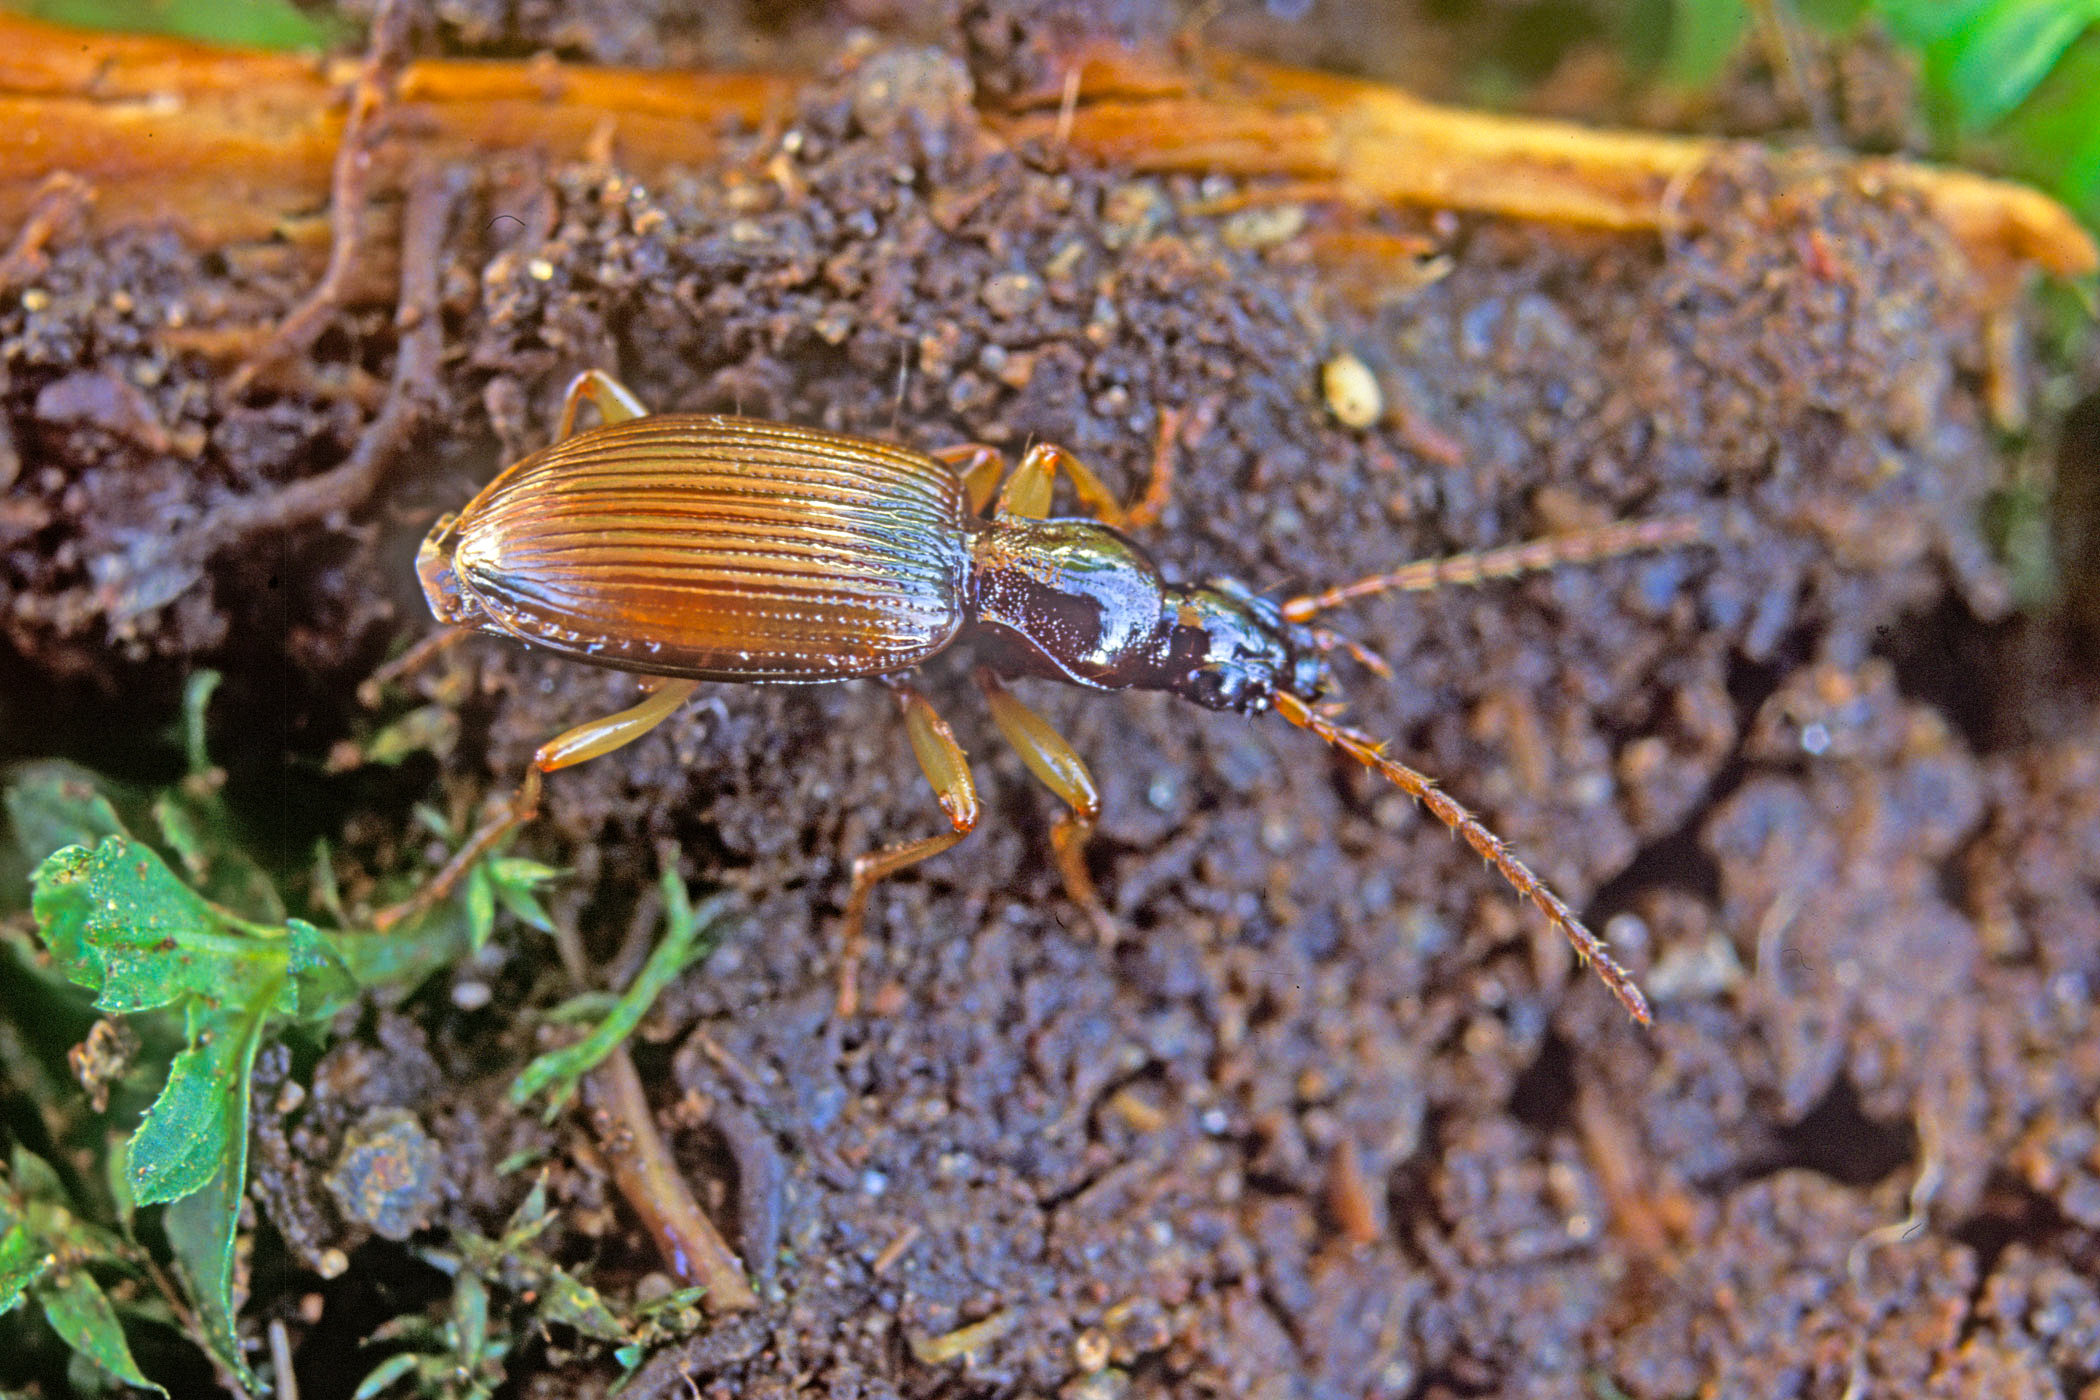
(1365, 657)
(1533, 556)
(1490, 847)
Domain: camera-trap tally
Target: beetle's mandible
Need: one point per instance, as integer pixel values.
(705, 548)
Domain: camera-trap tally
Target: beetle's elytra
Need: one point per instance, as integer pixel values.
(705, 548)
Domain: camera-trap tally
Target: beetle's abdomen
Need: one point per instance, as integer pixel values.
(721, 548)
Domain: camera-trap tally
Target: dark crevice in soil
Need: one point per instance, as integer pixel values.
(383, 1281)
(1544, 1096)
(1450, 1384)
(2010, 1213)
(1839, 1140)
(1937, 659)
(1678, 861)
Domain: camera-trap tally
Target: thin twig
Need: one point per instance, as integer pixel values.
(385, 55)
(646, 1174)
(410, 396)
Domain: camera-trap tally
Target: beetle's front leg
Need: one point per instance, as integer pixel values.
(978, 466)
(1027, 491)
(947, 768)
(585, 741)
(1058, 767)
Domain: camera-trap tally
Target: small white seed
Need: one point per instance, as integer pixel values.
(1352, 391)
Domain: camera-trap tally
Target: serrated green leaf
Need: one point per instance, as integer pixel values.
(558, 1072)
(80, 1312)
(23, 1260)
(120, 923)
(201, 1227)
(181, 1143)
(52, 804)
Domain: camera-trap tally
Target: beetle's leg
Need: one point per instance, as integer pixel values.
(600, 736)
(614, 401)
(1027, 491)
(978, 466)
(1061, 770)
(947, 767)
(408, 662)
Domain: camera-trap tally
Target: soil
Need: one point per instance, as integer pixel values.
(1336, 1117)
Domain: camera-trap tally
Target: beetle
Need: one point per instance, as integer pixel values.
(694, 548)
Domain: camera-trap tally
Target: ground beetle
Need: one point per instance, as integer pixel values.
(708, 548)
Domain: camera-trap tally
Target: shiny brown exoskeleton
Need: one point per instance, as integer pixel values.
(705, 548)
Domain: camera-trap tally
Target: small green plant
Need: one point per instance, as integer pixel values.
(558, 1072)
(461, 1358)
(199, 954)
(49, 1255)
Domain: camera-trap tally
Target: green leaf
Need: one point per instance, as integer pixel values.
(201, 1227)
(181, 1143)
(196, 699)
(80, 1312)
(1704, 35)
(426, 729)
(517, 880)
(53, 803)
(120, 923)
(565, 1299)
(481, 906)
(35, 1179)
(322, 981)
(558, 1072)
(406, 954)
(470, 1319)
(270, 24)
(23, 1260)
(385, 1374)
(2007, 49)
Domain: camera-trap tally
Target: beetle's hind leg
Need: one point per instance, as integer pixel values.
(1059, 768)
(585, 741)
(615, 402)
(947, 768)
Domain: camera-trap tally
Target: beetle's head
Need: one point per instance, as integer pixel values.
(1231, 649)
(448, 601)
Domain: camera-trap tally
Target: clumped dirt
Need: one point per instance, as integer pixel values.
(1336, 1117)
